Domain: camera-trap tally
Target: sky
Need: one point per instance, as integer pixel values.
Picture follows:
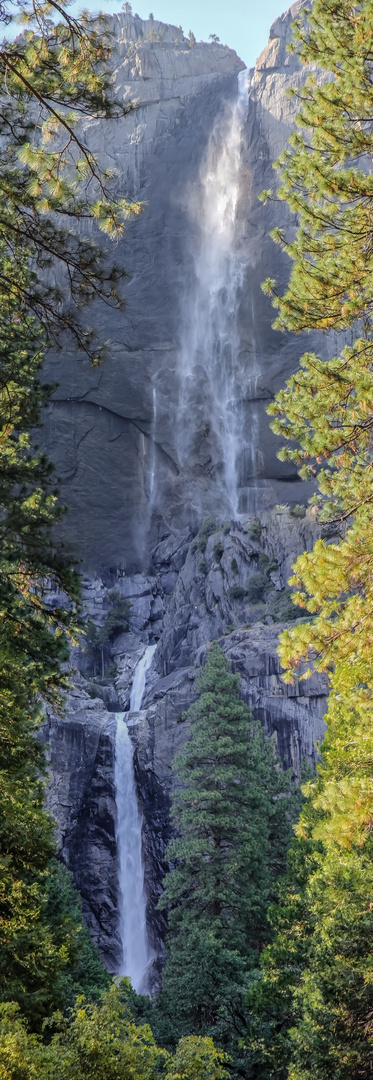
(242, 24)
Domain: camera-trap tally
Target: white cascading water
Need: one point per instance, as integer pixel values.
(139, 678)
(136, 954)
(214, 381)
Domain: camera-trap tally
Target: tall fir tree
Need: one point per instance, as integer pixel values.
(232, 813)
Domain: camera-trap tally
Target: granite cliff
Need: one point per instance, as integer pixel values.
(114, 432)
(167, 461)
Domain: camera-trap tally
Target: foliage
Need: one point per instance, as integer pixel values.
(218, 550)
(207, 529)
(49, 76)
(232, 833)
(236, 592)
(101, 1042)
(81, 970)
(196, 1058)
(254, 531)
(314, 1007)
(281, 607)
(35, 615)
(326, 412)
(255, 587)
(326, 408)
(116, 622)
(271, 998)
(54, 74)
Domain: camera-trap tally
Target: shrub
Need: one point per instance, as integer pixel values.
(218, 550)
(234, 566)
(117, 621)
(266, 564)
(236, 592)
(208, 527)
(298, 511)
(254, 531)
(282, 608)
(255, 587)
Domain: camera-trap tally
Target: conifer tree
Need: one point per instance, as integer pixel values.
(322, 953)
(51, 75)
(327, 406)
(233, 829)
(54, 75)
(314, 1006)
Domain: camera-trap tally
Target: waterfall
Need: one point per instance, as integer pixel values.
(136, 954)
(215, 381)
(138, 684)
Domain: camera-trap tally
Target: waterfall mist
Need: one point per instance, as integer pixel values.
(215, 380)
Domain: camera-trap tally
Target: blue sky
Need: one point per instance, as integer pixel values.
(242, 24)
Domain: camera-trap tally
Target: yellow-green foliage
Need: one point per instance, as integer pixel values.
(101, 1042)
(321, 963)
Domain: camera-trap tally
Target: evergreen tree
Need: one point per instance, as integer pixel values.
(49, 76)
(314, 1005)
(326, 408)
(233, 828)
(52, 76)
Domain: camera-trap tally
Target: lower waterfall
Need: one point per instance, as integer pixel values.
(132, 901)
(136, 954)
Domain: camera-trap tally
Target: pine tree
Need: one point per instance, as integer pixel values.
(326, 408)
(314, 1005)
(233, 828)
(49, 76)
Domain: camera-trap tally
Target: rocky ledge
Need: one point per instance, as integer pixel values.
(227, 583)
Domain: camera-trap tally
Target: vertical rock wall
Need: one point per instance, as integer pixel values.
(114, 431)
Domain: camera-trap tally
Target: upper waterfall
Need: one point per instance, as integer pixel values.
(173, 426)
(213, 377)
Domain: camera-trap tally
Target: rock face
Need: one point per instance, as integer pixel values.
(228, 583)
(118, 433)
